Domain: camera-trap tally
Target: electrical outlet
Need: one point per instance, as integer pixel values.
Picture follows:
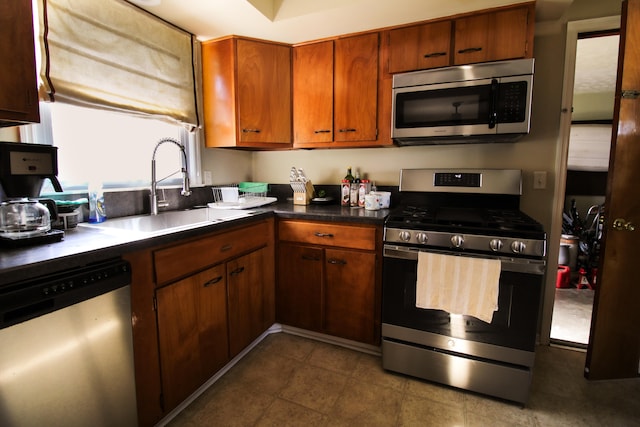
(539, 180)
(207, 178)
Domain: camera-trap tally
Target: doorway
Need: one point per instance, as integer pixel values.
(595, 72)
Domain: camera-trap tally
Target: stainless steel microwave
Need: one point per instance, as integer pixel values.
(488, 102)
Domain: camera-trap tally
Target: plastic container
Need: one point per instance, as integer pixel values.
(563, 279)
(97, 211)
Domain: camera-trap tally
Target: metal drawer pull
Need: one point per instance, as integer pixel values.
(319, 234)
(322, 131)
(470, 50)
(251, 130)
(310, 258)
(237, 271)
(434, 54)
(226, 248)
(347, 130)
(622, 224)
(212, 281)
(337, 261)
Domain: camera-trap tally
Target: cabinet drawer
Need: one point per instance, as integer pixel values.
(320, 233)
(187, 258)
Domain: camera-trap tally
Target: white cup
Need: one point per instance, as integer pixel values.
(372, 202)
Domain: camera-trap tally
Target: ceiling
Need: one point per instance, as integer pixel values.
(294, 21)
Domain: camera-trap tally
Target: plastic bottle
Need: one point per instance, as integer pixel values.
(97, 211)
(355, 188)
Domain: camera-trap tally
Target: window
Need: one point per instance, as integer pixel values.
(114, 149)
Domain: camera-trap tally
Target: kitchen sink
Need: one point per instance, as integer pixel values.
(167, 222)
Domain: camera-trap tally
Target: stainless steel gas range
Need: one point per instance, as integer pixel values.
(459, 220)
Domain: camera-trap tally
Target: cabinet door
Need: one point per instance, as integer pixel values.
(313, 93)
(356, 88)
(212, 320)
(245, 299)
(192, 332)
(18, 93)
(264, 92)
(420, 47)
(349, 295)
(299, 287)
(492, 36)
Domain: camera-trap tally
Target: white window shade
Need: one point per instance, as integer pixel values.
(109, 54)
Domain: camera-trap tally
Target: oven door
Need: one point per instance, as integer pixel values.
(470, 108)
(514, 325)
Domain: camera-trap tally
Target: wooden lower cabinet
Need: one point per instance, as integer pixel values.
(349, 294)
(192, 325)
(245, 299)
(196, 304)
(299, 288)
(326, 288)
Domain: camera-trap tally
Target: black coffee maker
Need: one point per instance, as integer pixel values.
(25, 219)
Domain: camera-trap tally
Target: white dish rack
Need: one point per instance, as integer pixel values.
(245, 195)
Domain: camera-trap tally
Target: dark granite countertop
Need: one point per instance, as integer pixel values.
(82, 246)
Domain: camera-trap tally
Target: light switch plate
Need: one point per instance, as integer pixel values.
(539, 180)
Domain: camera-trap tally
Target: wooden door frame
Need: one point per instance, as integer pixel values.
(562, 153)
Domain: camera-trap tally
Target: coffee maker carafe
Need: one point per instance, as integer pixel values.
(25, 219)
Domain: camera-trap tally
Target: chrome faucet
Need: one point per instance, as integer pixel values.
(186, 191)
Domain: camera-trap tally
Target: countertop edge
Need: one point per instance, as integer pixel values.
(81, 247)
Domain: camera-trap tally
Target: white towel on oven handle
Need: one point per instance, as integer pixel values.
(458, 284)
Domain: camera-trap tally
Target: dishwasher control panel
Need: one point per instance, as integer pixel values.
(35, 297)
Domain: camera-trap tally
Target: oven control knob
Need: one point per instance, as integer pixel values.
(405, 236)
(495, 245)
(422, 238)
(457, 241)
(518, 247)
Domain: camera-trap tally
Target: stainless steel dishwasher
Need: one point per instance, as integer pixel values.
(66, 350)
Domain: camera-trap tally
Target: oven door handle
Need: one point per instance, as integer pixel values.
(518, 265)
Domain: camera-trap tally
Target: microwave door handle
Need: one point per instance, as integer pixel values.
(493, 106)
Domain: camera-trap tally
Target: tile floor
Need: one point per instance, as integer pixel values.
(288, 380)
(571, 321)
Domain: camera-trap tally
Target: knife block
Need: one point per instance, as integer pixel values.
(302, 192)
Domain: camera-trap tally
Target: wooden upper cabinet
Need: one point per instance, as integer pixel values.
(336, 92)
(356, 88)
(247, 93)
(313, 93)
(18, 84)
(420, 47)
(494, 36)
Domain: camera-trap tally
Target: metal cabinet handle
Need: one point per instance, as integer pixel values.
(251, 130)
(622, 224)
(322, 131)
(319, 234)
(212, 281)
(310, 258)
(347, 130)
(226, 248)
(434, 54)
(237, 271)
(337, 261)
(470, 50)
